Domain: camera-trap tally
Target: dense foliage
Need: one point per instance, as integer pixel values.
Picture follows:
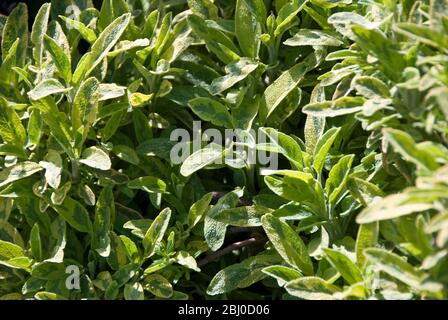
(355, 92)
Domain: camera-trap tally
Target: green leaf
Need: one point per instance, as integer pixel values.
(405, 145)
(57, 123)
(395, 266)
(11, 150)
(199, 209)
(109, 91)
(111, 10)
(58, 196)
(283, 85)
(282, 274)
(84, 110)
(347, 268)
(244, 115)
(285, 145)
(118, 260)
(11, 128)
(367, 237)
(132, 251)
(49, 271)
(162, 36)
(201, 159)
(126, 45)
(23, 263)
(211, 110)
(127, 154)
(216, 41)
(338, 73)
(112, 125)
(47, 88)
(58, 231)
(182, 38)
(437, 223)
(18, 172)
(311, 288)
(214, 230)
(249, 20)
(29, 208)
(104, 214)
(328, 4)
(158, 286)
(148, 184)
(75, 214)
(203, 8)
(95, 157)
(308, 37)
(423, 33)
(287, 16)
(374, 42)
(39, 30)
(287, 243)
(364, 191)
(76, 6)
(235, 72)
(336, 183)
(156, 147)
(87, 33)
(36, 243)
(292, 211)
(323, 147)
(249, 216)
(344, 21)
(16, 27)
(105, 42)
(336, 108)
(397, 205)
(314, 129)
(241, 275)
(298, 186)
(8, 67)
(44, 295)
(133, 292)
(185, 259)
(138, 99)
(371, 88)
(10, 250)
(53, 168)
(60, 58)
(156, 231)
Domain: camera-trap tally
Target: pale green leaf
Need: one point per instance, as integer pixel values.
(311, 288)
(241, 275)
(201, 159)
(287, 243)
(148, 184)
(105, 42)
(156, 231)
(46, 88)
(211, 110)
(308, 37)
(18, 172)
(95, 157)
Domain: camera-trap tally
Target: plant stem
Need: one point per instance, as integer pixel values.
(230, 248)
(75, 171)
(250, 173)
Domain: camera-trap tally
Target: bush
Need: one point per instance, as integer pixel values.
(343, 103)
